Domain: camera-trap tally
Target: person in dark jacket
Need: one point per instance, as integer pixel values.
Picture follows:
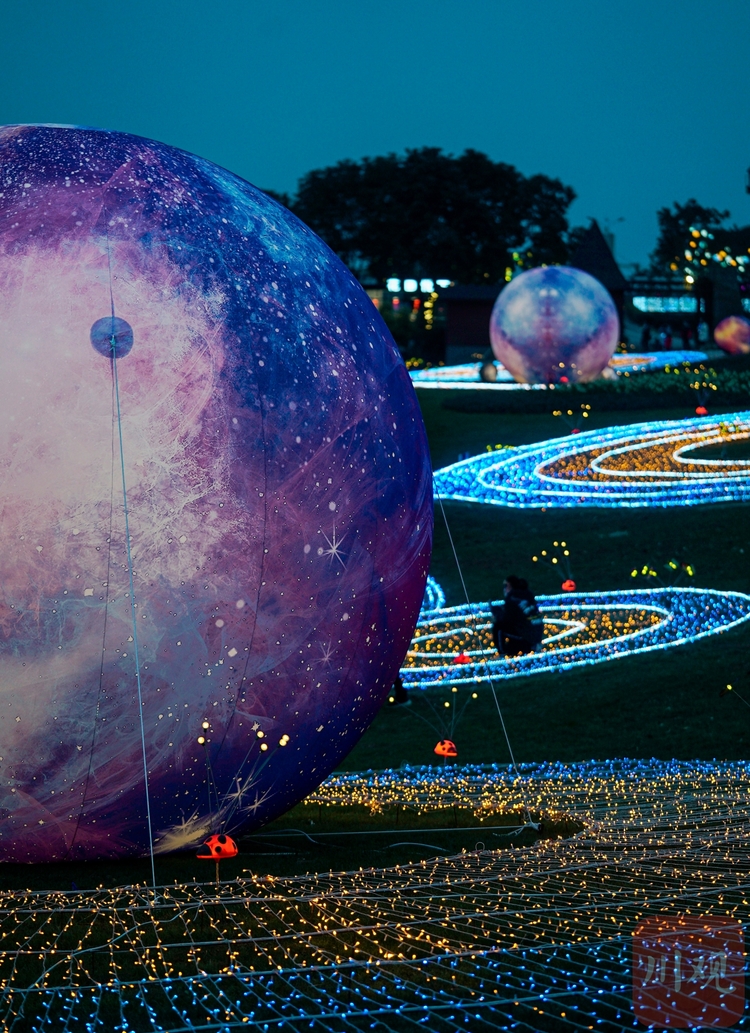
(518, 626)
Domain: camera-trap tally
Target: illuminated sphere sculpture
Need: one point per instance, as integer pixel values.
(158, 309)
(733, 335)
(554, 325)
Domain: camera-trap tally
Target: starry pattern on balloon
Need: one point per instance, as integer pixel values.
(278, 488)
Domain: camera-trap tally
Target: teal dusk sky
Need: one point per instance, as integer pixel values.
(634, 105)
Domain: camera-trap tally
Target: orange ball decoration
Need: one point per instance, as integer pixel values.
(219, 847)
(446, 748)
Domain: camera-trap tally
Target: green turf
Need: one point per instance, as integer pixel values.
(663, 704)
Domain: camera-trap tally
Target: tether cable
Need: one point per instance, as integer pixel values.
(113, 359)
(484, 662)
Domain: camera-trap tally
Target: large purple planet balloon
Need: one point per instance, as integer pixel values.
(553, 325)
(157, 308)
(733, 335)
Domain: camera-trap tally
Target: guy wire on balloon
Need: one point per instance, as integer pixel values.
(113, 357)
(484, 662)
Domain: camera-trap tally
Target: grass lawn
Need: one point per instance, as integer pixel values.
(662, 704)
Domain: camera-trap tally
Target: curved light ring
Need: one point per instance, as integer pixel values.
(570, 628)
(596, 463)
(465, 376)
(434, 597)
(521, 478)
(680, 458)
(688, 614)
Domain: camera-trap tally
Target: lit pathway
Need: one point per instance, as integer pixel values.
(466, 375)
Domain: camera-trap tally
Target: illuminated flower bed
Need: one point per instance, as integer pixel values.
(466, 375)
(644, 464)
(453, 646)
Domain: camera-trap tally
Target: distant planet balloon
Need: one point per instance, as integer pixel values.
(733, 335)
(164, 322)
(554, 325)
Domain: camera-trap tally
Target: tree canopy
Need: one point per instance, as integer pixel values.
(675, 224)
(426, 213)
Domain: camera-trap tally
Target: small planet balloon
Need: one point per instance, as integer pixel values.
(554, 325)
(217, 500)
(733, 335)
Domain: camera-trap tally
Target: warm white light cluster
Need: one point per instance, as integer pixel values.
(513, 939)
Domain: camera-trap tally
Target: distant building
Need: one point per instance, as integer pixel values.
(465, 313)
(594, 256)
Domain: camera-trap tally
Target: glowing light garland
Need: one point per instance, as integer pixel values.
(601, 792)
(520, 939)
(466, 375)
(434, 596)
(579, 628)
(643, 464)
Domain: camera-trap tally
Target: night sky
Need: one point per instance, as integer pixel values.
(634, 105)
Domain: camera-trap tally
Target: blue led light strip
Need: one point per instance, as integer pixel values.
(580, 628)
(643, 464)
(434, 596)
(466, 375)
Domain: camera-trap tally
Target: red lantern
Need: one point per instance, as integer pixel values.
(701, 410)
(569, 585)
(462, 658)
(446, 748)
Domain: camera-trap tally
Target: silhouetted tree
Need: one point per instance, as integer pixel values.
(674, 232)
(432, 214)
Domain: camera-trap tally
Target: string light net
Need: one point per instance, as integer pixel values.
(178, 348)
(516, 939)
